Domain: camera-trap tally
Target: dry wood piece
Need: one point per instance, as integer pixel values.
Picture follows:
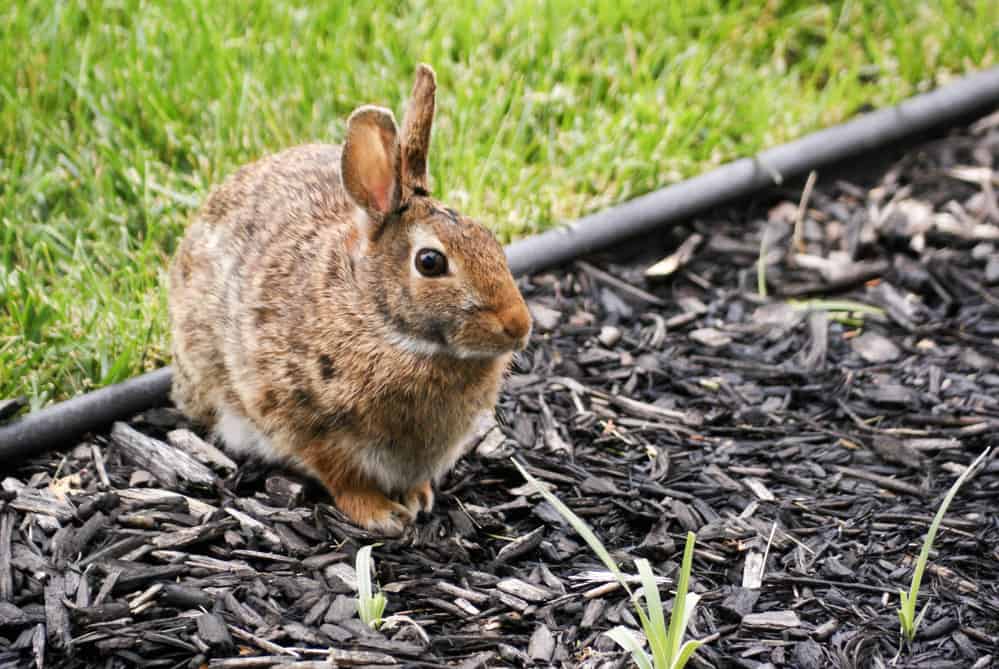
(752, 571)
(526, 591)
(521, 545)
(56, 616)
(771, 620)
(545, 318)
(671, 263)
(191, 535)
(153, 496)
(201, 450)
(6, 577)
(351, 658)
(254, 662)
(213, 631)
(883, 481)
(875, 349)
(44, 502)
(12, 616)
(171, 466)
(542, 645)
(623, 286)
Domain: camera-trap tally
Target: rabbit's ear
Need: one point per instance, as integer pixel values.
(416, 131)
(369, 164)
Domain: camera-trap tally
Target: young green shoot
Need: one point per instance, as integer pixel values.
(370, 606)
(847, 306)
(666, 644)
(761, 264)
(799, 220)
(907, 609)
(849, 313)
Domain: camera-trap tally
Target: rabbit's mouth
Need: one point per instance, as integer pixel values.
(491, 342)
(428, 347)
(417, 345)
(484, 334)
(479, 354)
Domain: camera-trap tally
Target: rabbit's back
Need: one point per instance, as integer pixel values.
(267, 220)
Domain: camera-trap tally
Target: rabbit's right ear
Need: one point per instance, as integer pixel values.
(370, 162)
(416, 127)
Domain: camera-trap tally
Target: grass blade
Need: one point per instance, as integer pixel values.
(370, 607)
(362, 565)
(667, 650)
(655, 630)
(904, 621)
(577, 524)
(624, 638)
(685, 653)
(761, 264)
(907, 607)
(836, 305)
(678, 619)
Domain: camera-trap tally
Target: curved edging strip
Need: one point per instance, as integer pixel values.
(60, 424)
(976, 92)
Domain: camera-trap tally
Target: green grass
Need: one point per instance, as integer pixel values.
(370, 604)
(668, 649)
(116, 117)
(909, 620)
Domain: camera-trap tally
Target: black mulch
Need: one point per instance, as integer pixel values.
(815, 443)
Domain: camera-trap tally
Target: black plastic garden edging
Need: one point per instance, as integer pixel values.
(972, 94)
(58, 425)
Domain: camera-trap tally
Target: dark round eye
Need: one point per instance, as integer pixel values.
(430, 262)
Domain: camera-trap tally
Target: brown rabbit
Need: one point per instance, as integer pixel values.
(326, 309)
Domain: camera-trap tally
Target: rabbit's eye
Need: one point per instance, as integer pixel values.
(430, 262)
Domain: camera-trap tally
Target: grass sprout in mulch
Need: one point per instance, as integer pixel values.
(807, 438)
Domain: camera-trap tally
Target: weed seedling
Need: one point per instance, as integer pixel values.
(907, 609)
(369, 606)
(668, 649)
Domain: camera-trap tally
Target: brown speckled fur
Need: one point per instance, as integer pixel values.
(296, 308)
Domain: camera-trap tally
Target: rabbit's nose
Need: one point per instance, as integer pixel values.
(516, 321)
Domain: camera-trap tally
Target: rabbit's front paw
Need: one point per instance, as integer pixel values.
(419, 498)
(373, 511)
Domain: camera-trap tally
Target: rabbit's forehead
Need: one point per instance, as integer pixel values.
(424, 237)
(465, 242)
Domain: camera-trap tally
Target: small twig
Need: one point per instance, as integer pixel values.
(804, 580)
(621, 285)
(761, 264)
(766, 552)
(883, 481)
(799, 219)
(262, 643)
(102, 473)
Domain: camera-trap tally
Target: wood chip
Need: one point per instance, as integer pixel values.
(171, 466)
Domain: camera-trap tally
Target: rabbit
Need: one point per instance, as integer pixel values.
(326, 310)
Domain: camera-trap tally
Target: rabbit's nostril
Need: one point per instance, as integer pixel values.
(516, 321)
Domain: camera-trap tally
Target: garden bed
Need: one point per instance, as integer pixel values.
(794, 433)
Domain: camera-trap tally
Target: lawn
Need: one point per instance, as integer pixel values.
(117, 117)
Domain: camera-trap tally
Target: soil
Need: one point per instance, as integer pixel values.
(806, 442)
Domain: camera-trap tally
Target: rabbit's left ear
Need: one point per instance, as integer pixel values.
(416, 132)
(369, 164)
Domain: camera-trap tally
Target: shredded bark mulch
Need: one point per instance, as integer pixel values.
(807, 442)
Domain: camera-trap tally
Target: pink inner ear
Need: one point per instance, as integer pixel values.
(381, 189)
(381, 175)
(370, 161)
